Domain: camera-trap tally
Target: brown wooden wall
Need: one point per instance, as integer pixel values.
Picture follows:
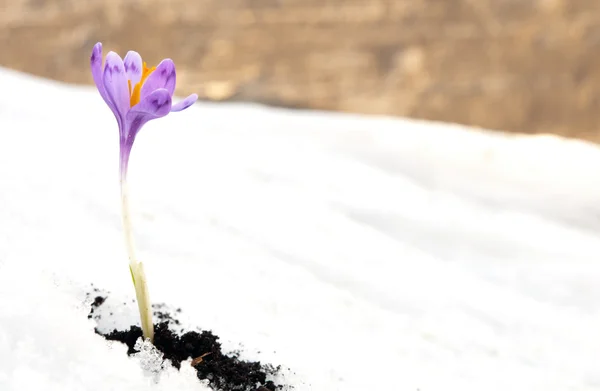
(521, 65)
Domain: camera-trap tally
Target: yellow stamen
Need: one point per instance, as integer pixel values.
(135, 93)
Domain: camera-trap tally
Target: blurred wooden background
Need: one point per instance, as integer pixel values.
(520, 65)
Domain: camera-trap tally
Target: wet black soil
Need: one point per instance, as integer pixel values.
(225, 372)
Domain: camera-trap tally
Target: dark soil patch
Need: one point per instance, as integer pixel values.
(224, 372)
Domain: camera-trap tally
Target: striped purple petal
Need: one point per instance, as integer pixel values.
(133, 66)
(96, 66)
(184, 104)
(163, 77)
(115, 83)
(155, 105)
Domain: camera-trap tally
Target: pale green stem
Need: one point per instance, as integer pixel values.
(137, 270)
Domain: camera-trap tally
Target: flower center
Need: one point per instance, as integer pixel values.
(135, 93)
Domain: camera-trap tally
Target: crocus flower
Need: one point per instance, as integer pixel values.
(136, 94)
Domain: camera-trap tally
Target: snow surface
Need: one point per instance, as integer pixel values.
(361, 253)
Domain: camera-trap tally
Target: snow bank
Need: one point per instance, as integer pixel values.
(362, 253)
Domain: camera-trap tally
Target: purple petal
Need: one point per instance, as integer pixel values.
(155, 105)
(133, 67)
(162, 77)
(115, 82)
(96, 65)
(184, 104)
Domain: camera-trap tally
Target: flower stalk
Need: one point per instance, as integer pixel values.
(136, 268)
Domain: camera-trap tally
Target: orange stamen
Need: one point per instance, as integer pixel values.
(135, 93)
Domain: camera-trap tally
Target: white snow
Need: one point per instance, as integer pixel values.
(362, 253)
